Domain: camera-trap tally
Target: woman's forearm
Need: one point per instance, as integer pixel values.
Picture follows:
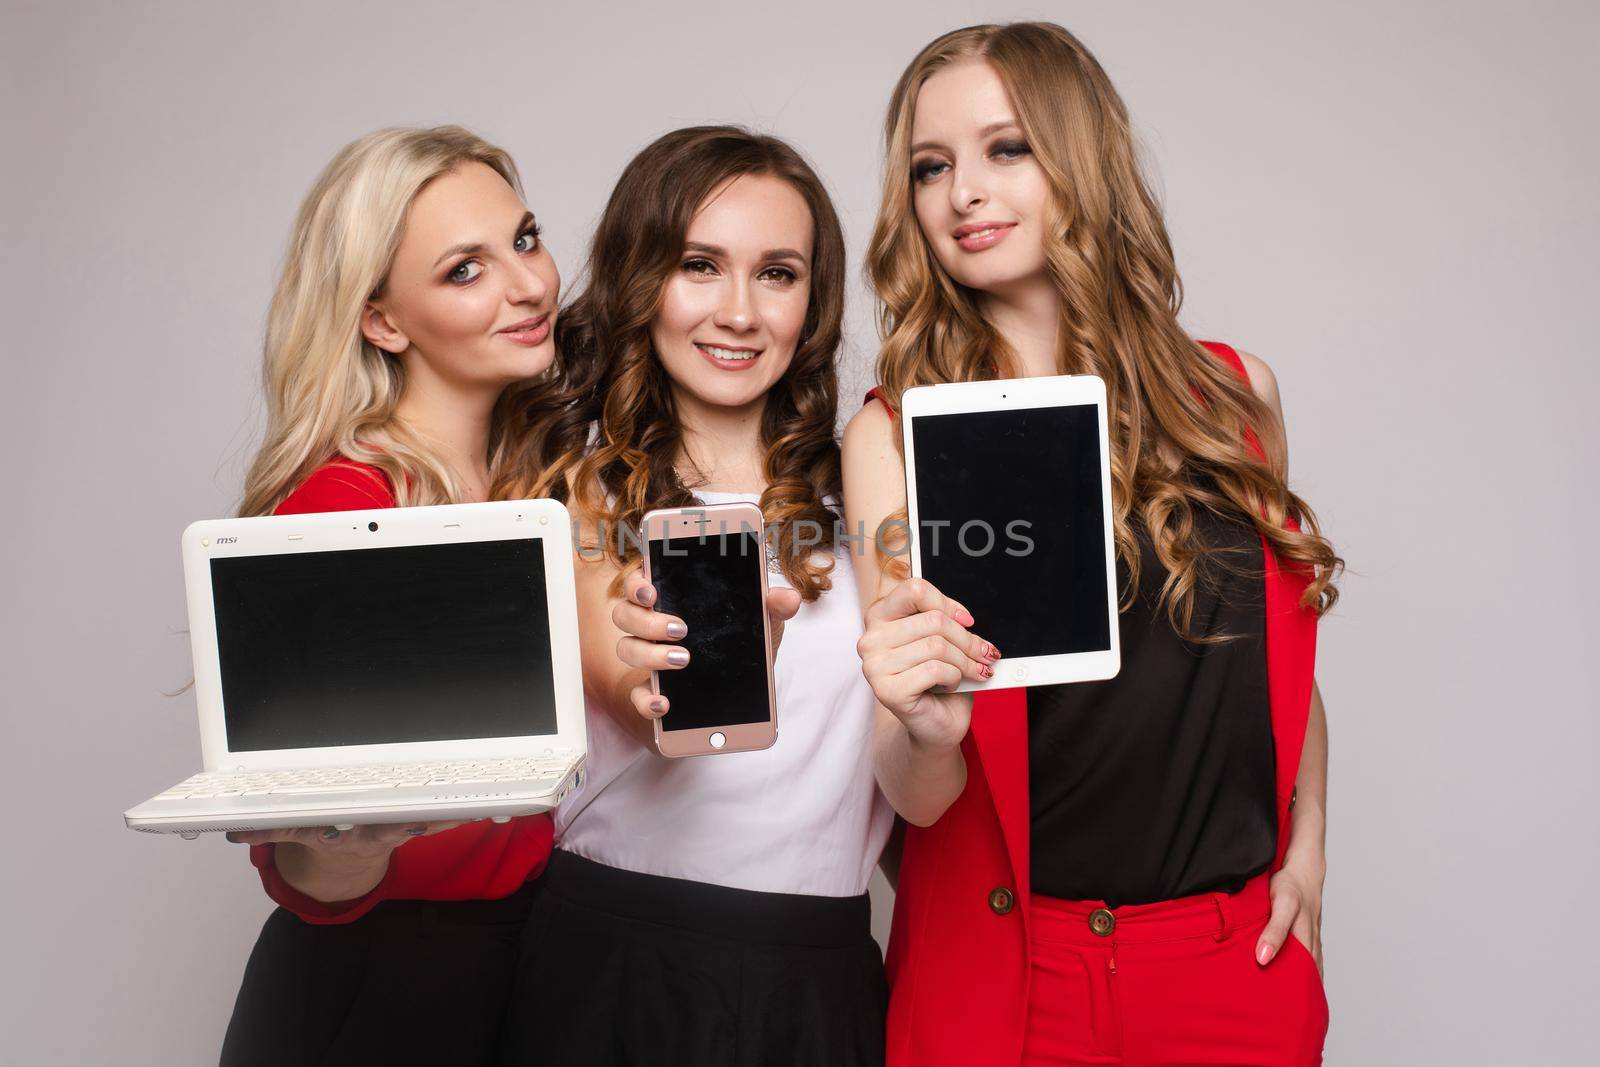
(327, 880)
(920, 782)
(1309, 816)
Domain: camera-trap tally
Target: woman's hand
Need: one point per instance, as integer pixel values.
(1296, 908)
(647, 632)
(328, 864)
(915, 650)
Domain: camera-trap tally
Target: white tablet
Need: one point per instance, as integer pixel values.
(1008, 490)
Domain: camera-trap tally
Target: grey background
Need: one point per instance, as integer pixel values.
(1392, 204)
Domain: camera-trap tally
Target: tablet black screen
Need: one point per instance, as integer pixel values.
(1011, 524)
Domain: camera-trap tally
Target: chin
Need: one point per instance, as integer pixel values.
(988, 274)
(535, 363)
(727, 393)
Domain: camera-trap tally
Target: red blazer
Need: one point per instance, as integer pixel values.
(958, 947)
(478, 861)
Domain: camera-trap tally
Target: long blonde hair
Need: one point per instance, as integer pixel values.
(1107, 252)
(330, 392)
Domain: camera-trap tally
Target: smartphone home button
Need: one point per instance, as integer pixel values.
(1019, 673)
(719, 739)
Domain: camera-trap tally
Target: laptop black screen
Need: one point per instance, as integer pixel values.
(384, 645)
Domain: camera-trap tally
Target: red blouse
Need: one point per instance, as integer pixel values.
(478, 861)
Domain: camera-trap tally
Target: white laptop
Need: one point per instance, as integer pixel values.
(384, 666)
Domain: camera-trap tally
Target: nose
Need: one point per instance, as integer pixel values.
(968, 190)
(736, 311)
(525, 285)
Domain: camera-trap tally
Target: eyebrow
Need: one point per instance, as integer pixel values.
(992, 128)
(470, 249)
(771, 253)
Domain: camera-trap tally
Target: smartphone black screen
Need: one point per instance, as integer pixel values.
(713, 584)
(1011, 523)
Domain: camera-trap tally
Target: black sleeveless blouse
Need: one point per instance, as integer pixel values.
(1158, 783)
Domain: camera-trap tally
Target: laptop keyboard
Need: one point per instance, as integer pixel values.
(367, 777)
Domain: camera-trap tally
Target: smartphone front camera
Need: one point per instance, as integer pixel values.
(372, 526)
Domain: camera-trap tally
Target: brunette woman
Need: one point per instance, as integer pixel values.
(415, 290)
(710, 910)
(1114, 872)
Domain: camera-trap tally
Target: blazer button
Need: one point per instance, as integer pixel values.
(1102, 922)
(1001, 900)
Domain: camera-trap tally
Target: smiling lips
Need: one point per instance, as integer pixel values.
(729, 357)
(528, 332)
(976, 236)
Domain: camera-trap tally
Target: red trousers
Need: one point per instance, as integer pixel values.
(1169, 983)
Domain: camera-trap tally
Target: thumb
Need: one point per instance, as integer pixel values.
(782, 604)
(1285, 906)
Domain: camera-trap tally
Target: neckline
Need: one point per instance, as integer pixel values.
(703, 493)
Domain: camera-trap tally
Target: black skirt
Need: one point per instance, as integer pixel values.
(620, 968)
(410, 982)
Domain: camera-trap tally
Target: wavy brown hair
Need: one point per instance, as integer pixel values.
(611, 449)
(1184, 426)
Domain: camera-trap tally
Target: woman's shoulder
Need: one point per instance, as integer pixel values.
(871, 426)
(1251, 367)
(339, 485)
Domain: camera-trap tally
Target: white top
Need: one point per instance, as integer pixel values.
(804, 816)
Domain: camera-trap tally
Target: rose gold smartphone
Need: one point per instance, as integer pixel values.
(709, 568)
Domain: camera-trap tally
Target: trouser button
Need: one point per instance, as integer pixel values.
(1102, 922)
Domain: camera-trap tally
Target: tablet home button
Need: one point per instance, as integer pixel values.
(719, 739)
(1019, 673)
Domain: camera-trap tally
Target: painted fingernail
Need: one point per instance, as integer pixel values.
(330, 835)
(658, 706)
(676, 630)
(992, 654)
(986, 670)
(678, 658)
(416, 831)
(1264, 953)
(646, 594)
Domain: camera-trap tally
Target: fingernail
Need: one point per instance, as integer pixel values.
(658, 706)
(330, 835)
(416, 831)
(1264, 953)
(646, 594)
(678, 658)
(986, 670)
(993, 653)
(965, 618)
(231, 836)
(676, 630)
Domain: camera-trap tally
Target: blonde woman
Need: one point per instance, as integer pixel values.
(1112, 872)
(415, 290)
